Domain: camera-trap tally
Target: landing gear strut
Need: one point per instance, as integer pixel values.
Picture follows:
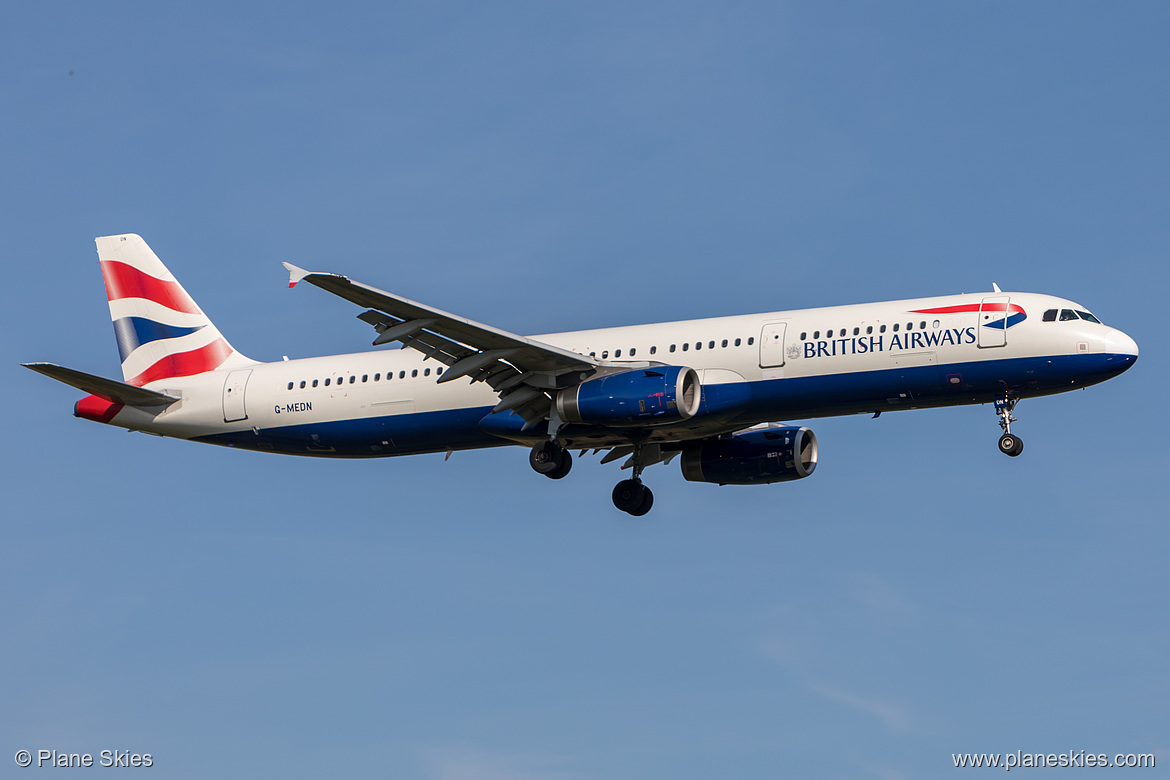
(550, 459)
(1009, 443)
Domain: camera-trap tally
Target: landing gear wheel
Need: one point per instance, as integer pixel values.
(547, 457)
(563, 469)
(1010, 444)
(629, 495)
(647, 502)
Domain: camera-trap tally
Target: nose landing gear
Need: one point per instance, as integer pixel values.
(1009, 443)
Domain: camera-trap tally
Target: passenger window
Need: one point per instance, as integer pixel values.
(327, 381)
(725, 343)
(377, 376)
(804, 335)
(868, 329)
(427, 372)
(605, 355)
(882, 329)
(829, 335)
(672, 347)
(751, 340)
(856, 331)
(922, 325)
(314, 383)
(353, 378)
(633, 351)
(895, 327)
(698, 345)
(816, 334)
(617, 353)
(712, 345)
(1067, 314)
(737, 342)
(1084, 315)
(438, 372)
(414, 373)
(686, 346)
(936, 323)
(365, 377)
(290, 385)
(909, 326)
(653, 350)
(402, 375)
(302, 384)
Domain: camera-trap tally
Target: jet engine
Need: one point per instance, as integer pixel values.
(639, 397)
(752, 457)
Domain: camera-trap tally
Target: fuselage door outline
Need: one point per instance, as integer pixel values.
(992, 323)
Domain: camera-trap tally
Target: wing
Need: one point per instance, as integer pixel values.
(521, 370)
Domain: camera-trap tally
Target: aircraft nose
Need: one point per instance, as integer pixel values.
(1119, 343)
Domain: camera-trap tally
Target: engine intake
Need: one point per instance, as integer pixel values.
(639, 397)
(753, 458)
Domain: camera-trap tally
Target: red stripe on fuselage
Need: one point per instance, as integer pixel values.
(126, 281)
(197, 361)
(970, 308)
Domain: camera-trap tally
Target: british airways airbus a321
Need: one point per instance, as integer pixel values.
(709, 391)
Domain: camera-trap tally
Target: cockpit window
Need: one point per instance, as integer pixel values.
(1067, 314)
(1084, 315)
(1050, 315)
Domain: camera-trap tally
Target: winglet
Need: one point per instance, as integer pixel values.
(295, 274)
(995, 287)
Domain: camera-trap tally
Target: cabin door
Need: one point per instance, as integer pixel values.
(772, 345)
(233, 395)
(992, 325)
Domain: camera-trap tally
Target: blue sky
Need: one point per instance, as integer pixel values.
(544, 167)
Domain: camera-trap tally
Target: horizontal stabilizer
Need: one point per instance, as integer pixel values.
(110, 389)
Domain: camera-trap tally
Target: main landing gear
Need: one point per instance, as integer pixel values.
(630, 495)
(1009, 443)
(550, 459)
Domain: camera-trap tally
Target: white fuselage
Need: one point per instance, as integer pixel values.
(786, 364)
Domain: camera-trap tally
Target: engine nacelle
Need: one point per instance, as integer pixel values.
(641, 396)
(753, 458)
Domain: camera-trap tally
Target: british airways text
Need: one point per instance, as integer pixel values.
(859, 345)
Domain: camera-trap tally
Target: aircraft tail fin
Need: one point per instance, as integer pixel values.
(161, 332)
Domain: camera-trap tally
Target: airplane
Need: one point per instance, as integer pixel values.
(711, 392)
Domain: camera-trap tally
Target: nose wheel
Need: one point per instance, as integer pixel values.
(1009, 443)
